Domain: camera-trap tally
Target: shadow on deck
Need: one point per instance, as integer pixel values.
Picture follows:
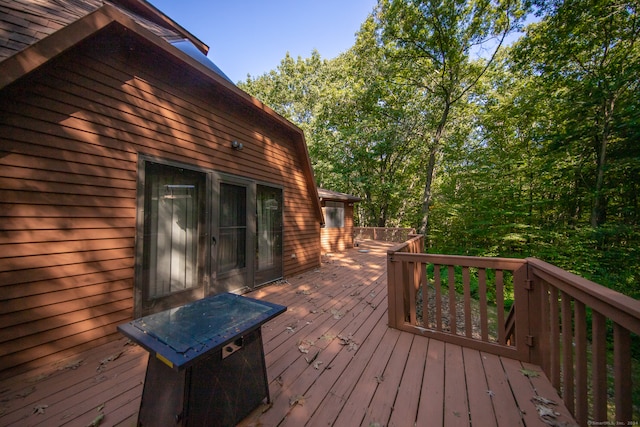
(331, 360)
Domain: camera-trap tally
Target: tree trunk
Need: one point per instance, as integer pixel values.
(599, 207)
(431, 166)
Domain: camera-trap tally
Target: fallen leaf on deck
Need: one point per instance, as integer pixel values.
(96, 421)
(544, 401)
(545, 411)
(104, 362)
(379, 378)
(530, 373)
(304, 346)
(316, 365)
(312, 359)
(491, 393)
(337, 314)
(297, 400)
(279, 380)
(71, 365)
(348, 342)
(40, 377)
(39, 409)
(304, 292)
(327, 337)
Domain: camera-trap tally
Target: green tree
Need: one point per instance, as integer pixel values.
(442, 49)
(375, 129)
(585, 56)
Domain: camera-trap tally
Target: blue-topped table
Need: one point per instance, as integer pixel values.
(206, 361)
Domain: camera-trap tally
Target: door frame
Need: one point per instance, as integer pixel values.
(211, 232)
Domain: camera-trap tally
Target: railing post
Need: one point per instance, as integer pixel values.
(534, 315)
(396, 278)
(523, 311)
(391, 291)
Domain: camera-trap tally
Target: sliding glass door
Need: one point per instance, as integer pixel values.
(202, 233)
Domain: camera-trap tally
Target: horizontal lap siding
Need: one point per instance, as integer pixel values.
(70, 136)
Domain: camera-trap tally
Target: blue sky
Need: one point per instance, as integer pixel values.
(252, 36)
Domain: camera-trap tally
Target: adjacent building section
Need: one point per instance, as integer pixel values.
(337, 234)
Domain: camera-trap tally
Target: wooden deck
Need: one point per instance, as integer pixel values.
(332, 360)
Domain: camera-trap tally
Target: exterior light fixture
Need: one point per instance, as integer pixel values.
(236, 145)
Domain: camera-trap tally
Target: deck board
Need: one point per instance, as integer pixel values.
(405, 407)
(480, 405)
(386, 377)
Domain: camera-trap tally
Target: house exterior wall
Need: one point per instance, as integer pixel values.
(339, 238)
(70, 137)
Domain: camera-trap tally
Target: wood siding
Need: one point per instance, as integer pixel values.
(70, 136)
(340, 238)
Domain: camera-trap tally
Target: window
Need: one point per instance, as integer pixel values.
(334, 214)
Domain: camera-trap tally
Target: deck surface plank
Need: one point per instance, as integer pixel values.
(431, 409)
(456, 403)
(385, 378)
(405, 407)
(480, 403)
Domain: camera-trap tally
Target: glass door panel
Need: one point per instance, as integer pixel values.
(174, 236)
(232, 251)
(268, 234)
(233, 206)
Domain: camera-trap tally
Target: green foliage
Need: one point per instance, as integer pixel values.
(530, 151)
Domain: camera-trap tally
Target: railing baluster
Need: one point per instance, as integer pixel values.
(545, 328)
(466, 282)
(453, 317)
(599, 366)
(500, 306)
(567, 352)
(482, 290)
(582, 410)
(414, 285)
(555, 339)
(622, 373)
(437, 281)
(425, 295)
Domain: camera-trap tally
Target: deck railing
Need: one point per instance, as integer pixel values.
(384, 234)
(579, 332)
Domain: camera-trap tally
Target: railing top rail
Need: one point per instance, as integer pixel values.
(402, 247)
(459, 260)
(621, 308)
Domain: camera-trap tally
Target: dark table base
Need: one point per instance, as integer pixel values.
(215, 391)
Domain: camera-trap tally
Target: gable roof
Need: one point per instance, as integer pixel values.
(34, 32)
(334, 195)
